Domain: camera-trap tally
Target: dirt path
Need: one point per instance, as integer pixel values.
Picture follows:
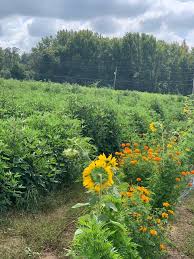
(44, 234)
(182, 231)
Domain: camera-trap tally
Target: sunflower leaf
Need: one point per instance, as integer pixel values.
(118, 225)
(79, 205)
(111, 205)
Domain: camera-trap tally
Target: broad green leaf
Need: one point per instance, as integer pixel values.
(79, 205)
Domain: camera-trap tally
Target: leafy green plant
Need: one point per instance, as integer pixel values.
(100, 124)
(32, 155)
(92, 240)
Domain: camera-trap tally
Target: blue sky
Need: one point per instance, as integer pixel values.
(23, 22)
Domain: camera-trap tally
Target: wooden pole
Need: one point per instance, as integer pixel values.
(115, 78)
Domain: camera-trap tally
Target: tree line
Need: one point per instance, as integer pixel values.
(137, 61)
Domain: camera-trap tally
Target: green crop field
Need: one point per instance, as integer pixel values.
(50, 133)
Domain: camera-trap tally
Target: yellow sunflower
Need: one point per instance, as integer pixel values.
(99, 174)
(110, 160)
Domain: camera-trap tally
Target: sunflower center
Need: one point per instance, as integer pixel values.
(99, 174)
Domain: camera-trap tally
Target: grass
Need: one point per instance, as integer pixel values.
(50, 229)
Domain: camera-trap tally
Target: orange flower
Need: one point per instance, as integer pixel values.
(144, 158)
(150, 150)
(178, 179)
(178, 153)
(133, 162)
(143, 229)
(131, 189)
(184, 173)
(146, 147)
(192, 172)
(129, 194)
(126, 194)
(165, 215)
(118, 153)
(137, 151)
(190, 184)
(157, 159)
(136, 144)
(127, 145)
(153, 232)
(166, 204)
(145, 198)
(138, 179)
(143, 189)
(123, 145)
(171, 212)
(162, 247)
(127, 150)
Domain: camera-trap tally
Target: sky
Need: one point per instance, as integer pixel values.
(24, 22)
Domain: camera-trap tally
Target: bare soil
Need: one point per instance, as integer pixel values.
(182, 229)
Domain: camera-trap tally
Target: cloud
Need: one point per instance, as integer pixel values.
(105, 25)
(41, 27)
(74, 9)
(1, 30)
(15, 33)
(23, 23)
(151, 25)
(178, 21)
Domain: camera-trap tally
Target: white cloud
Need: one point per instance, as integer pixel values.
(190, 38)
(23, 23)
(15, 33)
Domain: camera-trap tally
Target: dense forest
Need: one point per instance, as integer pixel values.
(137, 62)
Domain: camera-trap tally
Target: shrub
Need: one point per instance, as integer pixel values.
(163, 169)
(100, 124)
(34, 155)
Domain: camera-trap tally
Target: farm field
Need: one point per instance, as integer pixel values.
(136, 154)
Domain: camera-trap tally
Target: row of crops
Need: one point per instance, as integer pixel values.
(132, 151)
(48, 132)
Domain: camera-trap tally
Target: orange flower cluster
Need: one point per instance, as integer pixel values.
(138, 153)
(185, 174)
(143, 193)
(166, 211)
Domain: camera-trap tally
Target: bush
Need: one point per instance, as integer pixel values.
(34, 155)
(100, 124)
